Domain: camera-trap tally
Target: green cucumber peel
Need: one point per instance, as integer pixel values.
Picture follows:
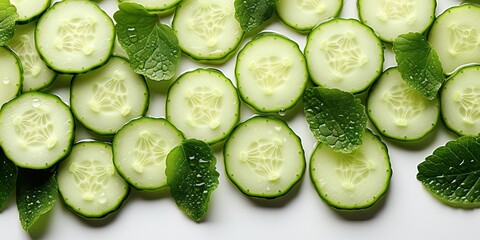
(452, 172)
(251, 14)
(8, 177)
(8, 17)
(151, 46)
(335, 117)
(192, 177)
(418, 64)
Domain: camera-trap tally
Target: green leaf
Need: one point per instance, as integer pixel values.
(8, 177)
(452, 172)
(151, 46)
(252, 13)
(192, 177)
(37, 192)
(8, 16)
(418, 64)
(335, 118)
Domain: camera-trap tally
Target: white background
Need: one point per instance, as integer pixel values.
(407, 212)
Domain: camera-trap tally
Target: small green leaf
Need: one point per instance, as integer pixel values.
(418, 64)
(8, 177)
(37, 192)
(452, 172)
(192, 177)
(151, 46)
(335, 118)
(252, 13)
(8, 16)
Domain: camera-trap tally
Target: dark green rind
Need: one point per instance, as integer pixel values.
(452, 173)
(8, 178)
(159, 10)
(37, 15)
(246, 191)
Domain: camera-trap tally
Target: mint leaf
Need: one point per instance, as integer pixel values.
(8, 16)
(418, 64)
(151, 46)
(8, 177)
(192, 177)
(252, 13)
(335, 118)
(36, 194)
(452, 172)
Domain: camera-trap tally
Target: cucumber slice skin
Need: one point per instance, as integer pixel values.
(98, 149)
(277, 125)
(120, 146)
(16, 82)
(197, 50)
(323, 75)
(299, 65)
(364, 16)
(466, 19)
(154, 6)
(200, 81)
(46, 50)
(24, 17)
(465, 79)
(87, 81)
(303, 28)
(37, 99)
(319, 182)
(384, 126)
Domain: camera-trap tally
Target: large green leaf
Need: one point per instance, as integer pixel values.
(8, 16)
(8, 177)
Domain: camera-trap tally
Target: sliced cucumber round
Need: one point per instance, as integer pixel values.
(355, 180)
(398, 111)
(264, 158)
(36, 74)
(104, 99)
(30, 10)
(391, 18)
(11, 75)
(36, 130)
(155, 5)
(460, 101)
(455, 36)
(207, 30)
(88, 183)
(75, 36)
(203, 104)
(304, 15)
(271, 73)
(140, 150)
(344, 54)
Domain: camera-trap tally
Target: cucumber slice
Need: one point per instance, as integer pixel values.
(460, 101)
(203, 104)
(355, 180)
(75, 36)
(455, 36)
(398, 111)
(264, 158)
(271, 73)
(390, 18)
(88, 183)
(36, 74)
(140, 149)
(104, 99)
(344, 54)
(304, 15)
(207, 30)
(156, 6)
(30, 10)
(36, 130)
(11, 75)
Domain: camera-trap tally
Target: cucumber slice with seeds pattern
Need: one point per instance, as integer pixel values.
(30, 10)
(36, 130)
(344, 54)
(75, 36)
(271, 73)
(203, 104)
(398, 111)
(207, 29)
(104, 99)
(460, 101)
(140, 150)
(11, 75)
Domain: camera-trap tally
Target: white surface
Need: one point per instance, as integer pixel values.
(408, 212)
